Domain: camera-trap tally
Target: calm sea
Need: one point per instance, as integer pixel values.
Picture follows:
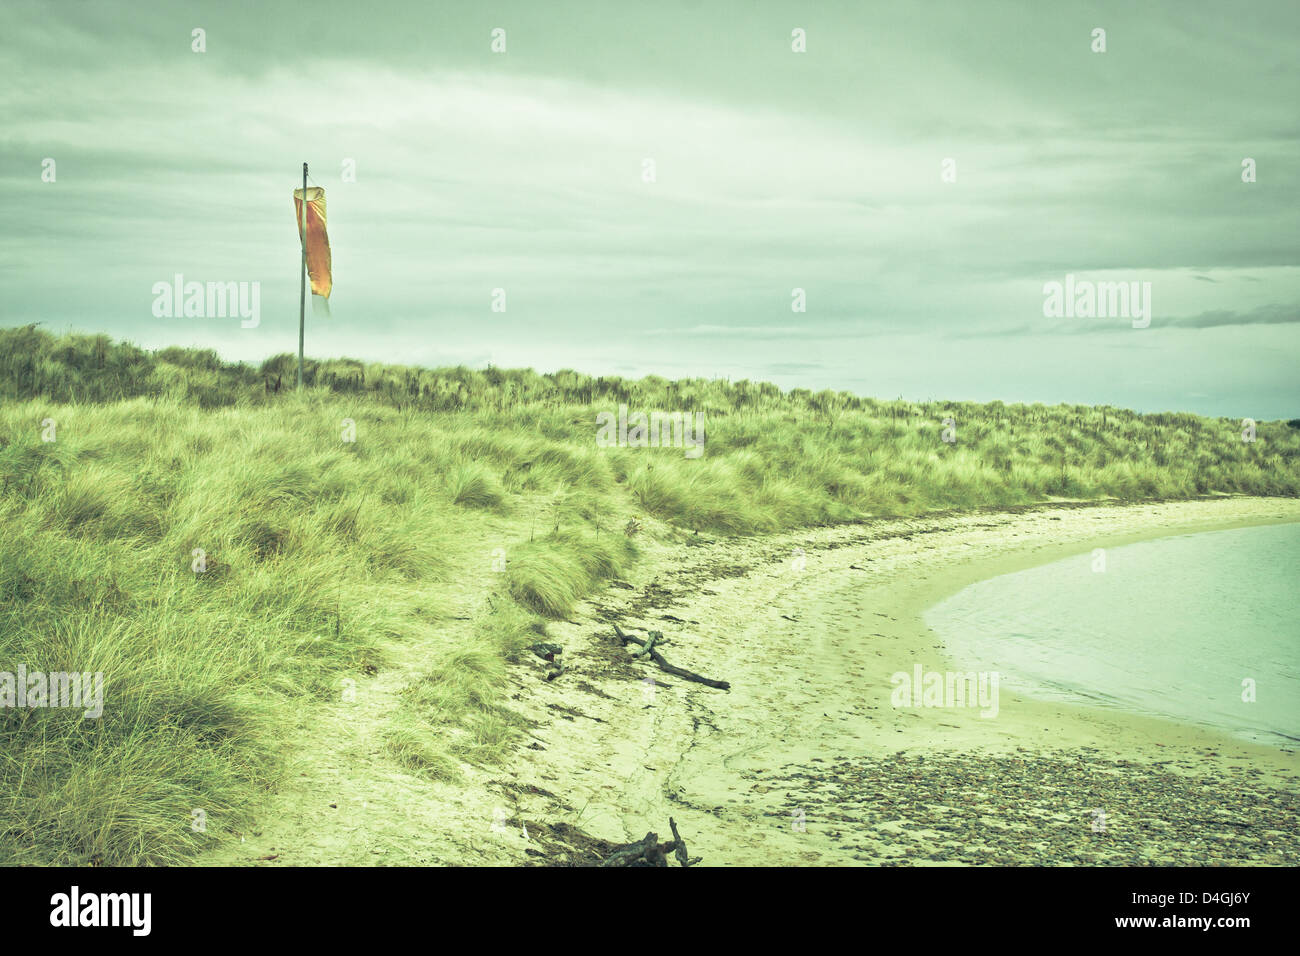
(1182, 627)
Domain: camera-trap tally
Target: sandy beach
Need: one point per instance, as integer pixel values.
(805, 761)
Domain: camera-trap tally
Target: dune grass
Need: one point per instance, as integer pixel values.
(223, 554)
(212, 565)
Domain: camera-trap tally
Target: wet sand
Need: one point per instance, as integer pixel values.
(805, 761)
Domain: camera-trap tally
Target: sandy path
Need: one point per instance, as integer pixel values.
(808, 726)
(344, 800)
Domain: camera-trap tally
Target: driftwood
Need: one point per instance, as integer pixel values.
(648, 647)
(679, 847)
(648, 851)
(553, 654)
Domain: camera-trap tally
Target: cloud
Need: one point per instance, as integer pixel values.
(1280, 314)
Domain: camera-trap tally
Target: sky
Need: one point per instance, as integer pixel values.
(649, 185)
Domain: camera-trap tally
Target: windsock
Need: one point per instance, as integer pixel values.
(318, 240)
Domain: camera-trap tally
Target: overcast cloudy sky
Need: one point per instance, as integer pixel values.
(774, 170)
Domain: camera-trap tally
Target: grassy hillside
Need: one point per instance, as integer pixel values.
(319, 552)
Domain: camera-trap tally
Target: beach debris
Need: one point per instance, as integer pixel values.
(648, 851)
(679, 847)
(653, 638)
(551, 653)
(648, 648)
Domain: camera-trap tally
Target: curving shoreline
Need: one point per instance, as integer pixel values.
(806, 761)
(1170, 628)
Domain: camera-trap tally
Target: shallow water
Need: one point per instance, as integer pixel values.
(1175, 627)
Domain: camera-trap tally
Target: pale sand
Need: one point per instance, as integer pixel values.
(808, 724)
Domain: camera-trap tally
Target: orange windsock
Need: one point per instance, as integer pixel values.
(318, 241)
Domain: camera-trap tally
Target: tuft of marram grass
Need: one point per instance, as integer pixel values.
(550, 575)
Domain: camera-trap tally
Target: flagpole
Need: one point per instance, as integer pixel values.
(302, 288)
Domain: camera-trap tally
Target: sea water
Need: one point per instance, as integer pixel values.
(1202, 628)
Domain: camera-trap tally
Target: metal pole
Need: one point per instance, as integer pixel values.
(302, 288)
